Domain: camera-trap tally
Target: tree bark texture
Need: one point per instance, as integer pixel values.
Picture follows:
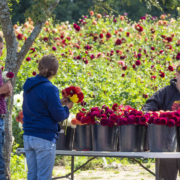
(14, 60)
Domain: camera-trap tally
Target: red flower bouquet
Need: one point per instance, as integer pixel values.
(74, 93)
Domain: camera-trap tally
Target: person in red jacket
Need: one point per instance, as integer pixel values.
(167, 98)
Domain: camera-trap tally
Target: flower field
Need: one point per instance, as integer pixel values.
(112, 59)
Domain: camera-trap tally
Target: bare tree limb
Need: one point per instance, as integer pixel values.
(34, 34)
(8, 31)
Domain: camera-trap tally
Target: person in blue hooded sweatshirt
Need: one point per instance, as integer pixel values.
(42, 110)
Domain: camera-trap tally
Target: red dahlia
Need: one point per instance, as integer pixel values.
(138, 28)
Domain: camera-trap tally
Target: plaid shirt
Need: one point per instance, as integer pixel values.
(2, 99)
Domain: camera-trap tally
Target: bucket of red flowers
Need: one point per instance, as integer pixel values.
(67, 133)
(83, 138)
(104, 129)
(132, 126)
(162, 131)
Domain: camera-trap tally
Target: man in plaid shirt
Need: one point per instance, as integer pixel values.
(5, 91)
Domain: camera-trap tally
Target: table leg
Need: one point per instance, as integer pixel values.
(157, 169)
(72, 167)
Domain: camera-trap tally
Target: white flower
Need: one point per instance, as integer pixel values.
(20, 125)
(73, 126)
(4, 75)
(18, 100)
(22, 93)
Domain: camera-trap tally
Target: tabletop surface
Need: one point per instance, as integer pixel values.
(113, 154)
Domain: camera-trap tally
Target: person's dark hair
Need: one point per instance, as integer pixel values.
(1, 39)
(48, 66)
(178, 68)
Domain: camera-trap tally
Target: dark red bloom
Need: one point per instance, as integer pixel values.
(170, 68)
(168, 46)
(143, 120)
(83, 103)
(152, 30)
(10, 75)
(124, 121)
(95, 114)
(20, 36)
(34, 73)
(131, 119)
(28, 59)
(32, 50)
(115, 107)
(163, 36)
(157, 121)
(68, 38)
(45, 38)
(153, 77)
(163, 121)
(79, 115)
(110, 123)
(113, 117)
(162, 74)
(169, 39)
(138, 62)
(178, 57)
(145, 96)
(118, 42)
(108, 35)
(137, 119)
(138, 28)
(151, 120)
(104, 121)
(161, 51)
(127, 34)
(80, 97)
(92, 56)
(54, 48)
(134, 66)
(62, 36)
(123, 75)
(101, 36)
(124, 68)
(94, 109)
(86, 119)
(153, 48)
(171, 123)
(139, 113)
(71, 90)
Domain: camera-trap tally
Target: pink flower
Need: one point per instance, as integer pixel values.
(28, 59)
(171, 123)
(139, 113)
(157, 121)
(153, 77)
(133, 112)
(153, 48)
(10, 75)
(122, 63)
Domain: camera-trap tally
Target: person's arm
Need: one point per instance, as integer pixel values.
(57, 111)
(155, 102)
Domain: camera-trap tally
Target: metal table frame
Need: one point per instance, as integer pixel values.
(155, 155)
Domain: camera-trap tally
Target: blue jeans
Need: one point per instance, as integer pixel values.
(2, 164)
(40, 155)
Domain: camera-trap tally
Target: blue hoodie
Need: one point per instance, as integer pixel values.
(42, 109)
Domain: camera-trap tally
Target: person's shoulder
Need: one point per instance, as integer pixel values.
(50, 87)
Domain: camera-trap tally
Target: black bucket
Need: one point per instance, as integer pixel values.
(131, 138)
(178, 139)
(146, 139)
(162, 138)
(83, 138)
(104, 138)
(65, 142)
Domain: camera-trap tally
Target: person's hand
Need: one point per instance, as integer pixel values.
(7, 94)
(6, 88)
(64, 101)
(69, 105)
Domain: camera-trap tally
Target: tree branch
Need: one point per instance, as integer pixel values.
(24, 50)
(8, 31)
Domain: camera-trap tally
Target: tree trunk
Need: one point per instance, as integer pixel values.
(13, 63)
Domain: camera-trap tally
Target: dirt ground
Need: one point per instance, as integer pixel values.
(128, 172)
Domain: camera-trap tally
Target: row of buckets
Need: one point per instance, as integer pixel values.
(126, 138)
